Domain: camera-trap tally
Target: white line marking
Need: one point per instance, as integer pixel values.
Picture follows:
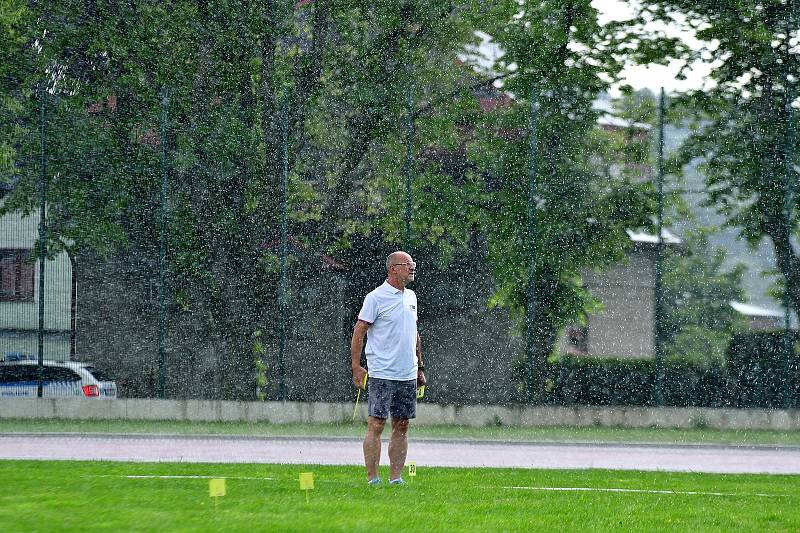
(187, 477)
(643, 491)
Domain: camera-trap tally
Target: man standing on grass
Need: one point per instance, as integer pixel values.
(389, 320)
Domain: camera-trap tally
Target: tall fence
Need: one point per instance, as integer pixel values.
(211, 220)
(123, 312)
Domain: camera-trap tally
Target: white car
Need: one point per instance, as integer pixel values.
(60, 379)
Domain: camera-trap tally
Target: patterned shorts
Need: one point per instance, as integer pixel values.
(398, 398)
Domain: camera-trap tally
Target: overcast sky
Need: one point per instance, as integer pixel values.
(655, 76)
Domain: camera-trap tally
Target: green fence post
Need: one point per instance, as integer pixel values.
(409, 167)
(530, 312)
(42, 250)
(162, 254)
(284, 223)
(658, 393)
(788, 152)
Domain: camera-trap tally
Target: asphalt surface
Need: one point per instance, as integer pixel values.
(347, 451)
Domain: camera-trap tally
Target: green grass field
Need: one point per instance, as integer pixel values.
(106, 496)
(571, 434)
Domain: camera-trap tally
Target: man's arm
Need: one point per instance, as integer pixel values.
(420, 367)
(356, 346)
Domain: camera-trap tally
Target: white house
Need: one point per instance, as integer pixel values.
(759, 318)
(19, 293)
(626, 326)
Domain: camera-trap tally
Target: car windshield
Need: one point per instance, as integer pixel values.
(99, 375)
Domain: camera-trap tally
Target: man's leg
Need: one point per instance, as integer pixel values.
(398, 446)
(372, 446)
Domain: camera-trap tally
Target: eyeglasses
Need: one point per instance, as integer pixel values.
(411, 264)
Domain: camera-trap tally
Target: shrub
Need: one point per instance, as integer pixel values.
(757, 370)
(624, 381)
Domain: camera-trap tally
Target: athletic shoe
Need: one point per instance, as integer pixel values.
(398, 481)
(374, 481)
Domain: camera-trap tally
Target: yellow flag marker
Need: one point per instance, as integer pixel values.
(420, 392)
(412, 471)
(307, 482)
(358, 397)
(216, 488)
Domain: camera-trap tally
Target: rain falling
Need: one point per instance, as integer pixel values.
(545, 251)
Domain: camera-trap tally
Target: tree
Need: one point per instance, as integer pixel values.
(15, 18)
(743, 130)
(559, 51)
(347, 68)
(698, 318)
(226, 67)
(698, 321)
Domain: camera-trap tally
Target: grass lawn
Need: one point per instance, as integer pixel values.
(66, 495)
(571, 434)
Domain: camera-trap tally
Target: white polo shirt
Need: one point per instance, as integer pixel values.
(392, 336)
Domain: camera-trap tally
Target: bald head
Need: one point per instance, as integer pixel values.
(396, 257)
(400, 269)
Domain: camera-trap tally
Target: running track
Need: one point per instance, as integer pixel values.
(428, 452)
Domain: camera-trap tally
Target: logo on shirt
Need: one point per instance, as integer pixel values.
(413, 307)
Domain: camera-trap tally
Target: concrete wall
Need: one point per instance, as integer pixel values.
(427, 414)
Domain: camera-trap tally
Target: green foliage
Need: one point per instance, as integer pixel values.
(743, 132)
(760, 368)
(619, 381)
(219, 71)
(16, 60)
(224, 68)
(259, 353)
(640, 110)
(582, 212)
(751, 373)
(698, 320)
(702, 346)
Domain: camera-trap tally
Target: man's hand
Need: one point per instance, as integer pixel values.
(360, 377)
(421, 378)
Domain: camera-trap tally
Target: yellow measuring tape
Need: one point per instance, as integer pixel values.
(358, 397)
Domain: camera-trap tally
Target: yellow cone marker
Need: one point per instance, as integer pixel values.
(412, 471)
(307, 482)
(358, 396)
(216, 488)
